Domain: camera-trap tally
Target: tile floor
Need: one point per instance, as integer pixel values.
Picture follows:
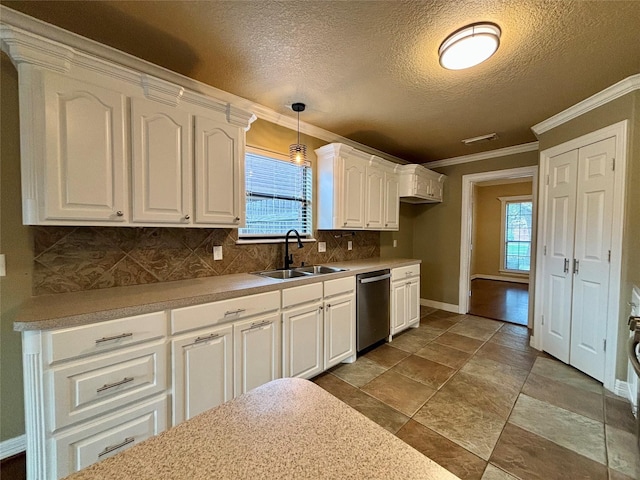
(470, 394)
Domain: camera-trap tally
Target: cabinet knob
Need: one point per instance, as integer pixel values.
(119, 213)
(320, 307)
(344, 224)
(237, 219)
(187, 217)
(367, 224)
(386, 224)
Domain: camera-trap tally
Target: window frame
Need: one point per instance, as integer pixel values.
(504, 201)
(279, 237)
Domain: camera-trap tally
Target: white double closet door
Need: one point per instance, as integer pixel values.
(578, 228)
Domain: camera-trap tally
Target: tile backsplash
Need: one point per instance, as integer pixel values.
(70, 259)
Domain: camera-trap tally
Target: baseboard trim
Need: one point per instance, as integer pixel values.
(623, 389)
(447, 307)
(13, 446)
(500, 278)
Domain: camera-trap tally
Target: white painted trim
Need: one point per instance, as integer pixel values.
(619, 131)
(475, 157)
(447, 307)
(500, 278)
(466, 225)
(38, 28)
(13, 446)
(619, 89)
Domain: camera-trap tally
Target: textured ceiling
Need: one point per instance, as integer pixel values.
(368, 70)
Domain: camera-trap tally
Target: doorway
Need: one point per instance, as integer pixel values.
(497, 256)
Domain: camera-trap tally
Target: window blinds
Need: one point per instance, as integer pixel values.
(278, 197)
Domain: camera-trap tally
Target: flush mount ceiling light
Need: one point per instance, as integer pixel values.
(469, 46)
(297, 151)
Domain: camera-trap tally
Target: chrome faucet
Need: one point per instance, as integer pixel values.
(288, 259)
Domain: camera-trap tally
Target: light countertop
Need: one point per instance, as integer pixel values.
(286, 429)
(78, 308)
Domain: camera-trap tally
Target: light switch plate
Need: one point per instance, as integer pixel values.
(3, 268)
(350, 245)
(322, 247)
(395, 243)
(217, 252)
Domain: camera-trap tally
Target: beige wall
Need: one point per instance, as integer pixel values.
(16, 244)
(404, 236)
(625, 107)
(436, 227)
(485, 258)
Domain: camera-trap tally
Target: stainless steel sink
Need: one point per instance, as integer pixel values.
(283, 274)
(318, 269)
(299, 272)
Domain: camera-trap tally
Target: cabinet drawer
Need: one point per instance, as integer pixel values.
(110, 435)
(83, 390)
(339, 286)
(208, 314)
(303, 294)
(101, 337)
(401, 273)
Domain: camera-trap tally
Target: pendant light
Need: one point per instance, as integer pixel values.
(469, 46)
(297, 151)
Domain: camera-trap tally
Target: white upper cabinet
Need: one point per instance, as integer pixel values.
(420, 185)
(84, 153)
(356, 191)
(87, 124)
(219, 172)
(161, 157)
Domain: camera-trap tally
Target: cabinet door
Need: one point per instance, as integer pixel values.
(340, 330)
(85, 173)
(218, 166)
(398, 307)
(391, 202)
(161, 155)
(257, 352)
(413, 302)
(303, 344)
(202, 372)
(374, 205)
(353, 196)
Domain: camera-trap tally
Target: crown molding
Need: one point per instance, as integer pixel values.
(37, 28)
(616, 90)
(476, 157)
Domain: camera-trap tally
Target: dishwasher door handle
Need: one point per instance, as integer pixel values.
(375, 279)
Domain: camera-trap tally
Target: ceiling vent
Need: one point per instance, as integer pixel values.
(482, 138)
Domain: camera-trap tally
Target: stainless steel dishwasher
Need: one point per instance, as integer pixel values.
(372, 308)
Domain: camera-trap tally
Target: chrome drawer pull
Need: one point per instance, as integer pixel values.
(107, 386)
(110, 449)
(234, 312)
(260, 324)
(115, 337)
(208, 337)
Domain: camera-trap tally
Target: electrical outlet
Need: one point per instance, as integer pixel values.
(3, 268)
(217, 252)
(395, 243)
(350, 245)
(322, 247)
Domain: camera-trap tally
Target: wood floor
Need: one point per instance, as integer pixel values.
(14, 468)
(505, 301)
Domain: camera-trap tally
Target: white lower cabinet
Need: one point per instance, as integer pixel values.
(405, 298)
(339, 321)
(302, 341)
(107, 436)
(257, 352)
(202, 371)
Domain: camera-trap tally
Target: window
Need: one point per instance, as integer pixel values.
(278, 196)
(516, 234)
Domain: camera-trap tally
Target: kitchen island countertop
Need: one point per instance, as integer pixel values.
(286, 429)
(79, 308)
